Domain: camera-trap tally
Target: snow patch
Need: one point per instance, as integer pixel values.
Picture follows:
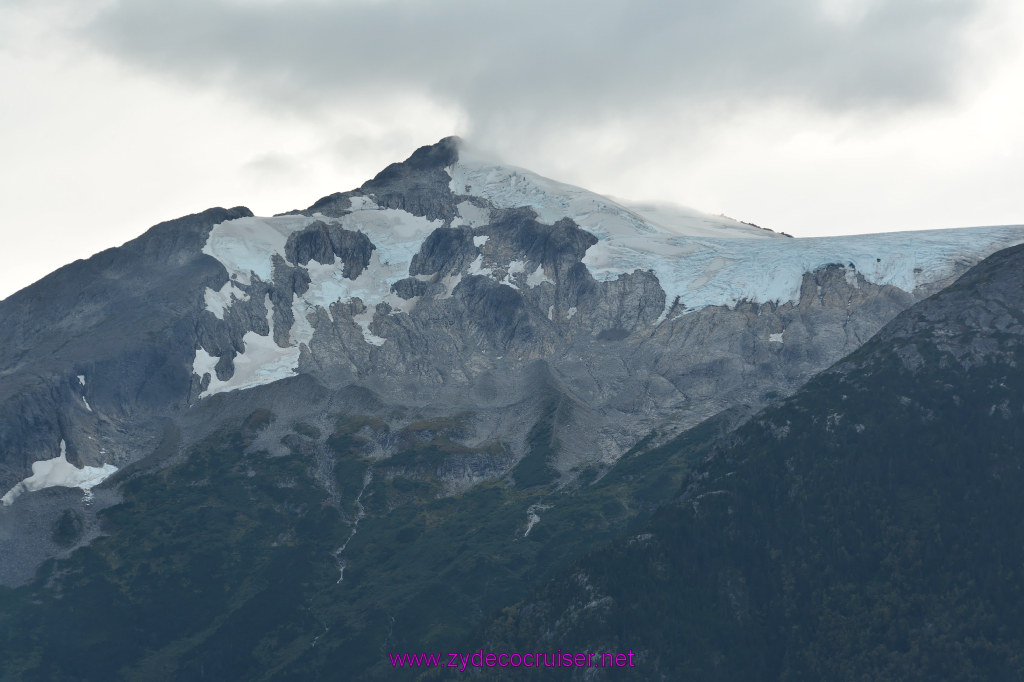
(402, 305)
(396, 236)
(219, 301)
(364, 319)
(480, 240)
(572, 311)
(246, 247)
(49, 473)
(537, 277)
(477, 268)
(362, 204)
(514, 268)
(81, 379)
(775, 338)
(86, 403)
(204, 364)
(471, 215)
(262, 361)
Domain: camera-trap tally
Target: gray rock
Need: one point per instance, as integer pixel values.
(475, 332)
(322, 242)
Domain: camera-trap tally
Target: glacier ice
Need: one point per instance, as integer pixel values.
(699, 259)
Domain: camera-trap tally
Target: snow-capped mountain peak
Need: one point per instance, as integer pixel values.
(449, 280)
(698, 260)
(507, 186)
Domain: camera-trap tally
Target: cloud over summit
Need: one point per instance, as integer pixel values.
(556, 60)
(810, 116)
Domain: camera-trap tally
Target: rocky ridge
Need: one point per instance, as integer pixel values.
(449, 285)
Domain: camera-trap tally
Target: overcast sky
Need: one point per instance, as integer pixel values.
(813, 117)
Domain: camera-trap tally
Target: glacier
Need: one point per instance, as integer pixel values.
(709, 260)
(700, 260)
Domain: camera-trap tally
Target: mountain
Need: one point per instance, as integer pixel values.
(867, 527)
(267, 447)
(454, 281)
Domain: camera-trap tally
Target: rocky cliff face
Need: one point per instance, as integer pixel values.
(449, 286)
(96, 353)
(366, 425)
(863, 528)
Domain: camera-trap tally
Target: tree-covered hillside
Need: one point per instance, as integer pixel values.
(869, 528)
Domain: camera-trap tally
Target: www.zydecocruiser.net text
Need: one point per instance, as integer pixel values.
(478, 659)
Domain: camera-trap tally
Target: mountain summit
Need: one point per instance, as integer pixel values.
(446, 284)
(243, 447)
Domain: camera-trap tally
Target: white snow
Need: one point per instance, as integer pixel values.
(219, 301)
(537, 277)
(58, 471)
(701, 259)
(262, 361)
(81, 379)
(693, 223)
(397, 236)
(514, 268)
(86, 403)
(362, 204)
(477, 268)
(204, 363)
(705, 272)
(712, 260)
(364, 319)
(775, 338)
(471, 215)
(509, 186)
(246, 247)
(572, 311)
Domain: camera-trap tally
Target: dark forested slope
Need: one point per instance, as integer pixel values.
(870, 527)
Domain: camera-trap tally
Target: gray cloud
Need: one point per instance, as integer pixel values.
(551, 63)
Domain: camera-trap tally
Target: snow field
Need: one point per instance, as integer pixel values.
(712, 260)
(49, 473)
(703, 260)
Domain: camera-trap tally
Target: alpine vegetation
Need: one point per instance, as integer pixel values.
(466, 408)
